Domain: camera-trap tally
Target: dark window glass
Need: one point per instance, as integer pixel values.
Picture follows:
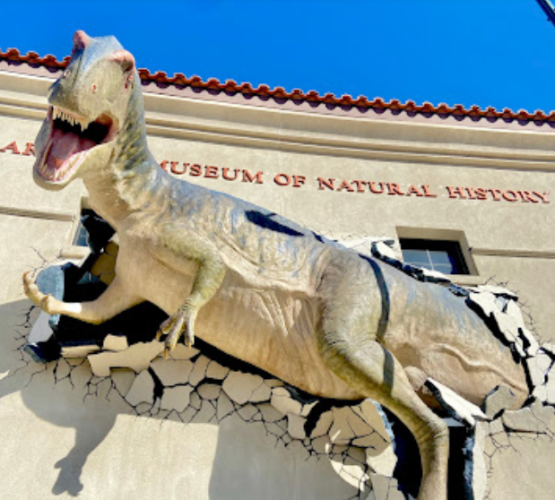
(436, 255)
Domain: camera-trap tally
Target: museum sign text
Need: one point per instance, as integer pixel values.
(326, 184)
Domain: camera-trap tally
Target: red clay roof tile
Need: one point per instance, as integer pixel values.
(362, 102)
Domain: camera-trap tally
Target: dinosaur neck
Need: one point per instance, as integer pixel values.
(131, 178)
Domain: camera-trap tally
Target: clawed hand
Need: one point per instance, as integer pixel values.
(45, 302)
(181, 322)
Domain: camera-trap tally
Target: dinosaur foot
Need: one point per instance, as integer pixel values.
(181, 322)
(45, 302)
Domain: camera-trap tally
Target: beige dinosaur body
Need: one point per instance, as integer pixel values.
(257, 286)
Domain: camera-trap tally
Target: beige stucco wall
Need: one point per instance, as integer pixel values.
(56, 443)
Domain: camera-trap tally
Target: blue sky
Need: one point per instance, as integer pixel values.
(485, 52)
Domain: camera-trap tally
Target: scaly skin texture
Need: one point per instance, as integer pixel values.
(252, 283)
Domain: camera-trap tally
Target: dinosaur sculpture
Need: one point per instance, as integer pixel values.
(257, 286)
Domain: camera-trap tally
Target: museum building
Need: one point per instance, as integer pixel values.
(466, 192)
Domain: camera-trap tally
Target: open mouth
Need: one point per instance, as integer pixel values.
(71, 138)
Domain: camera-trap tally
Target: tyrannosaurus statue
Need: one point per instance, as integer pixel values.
(255, 285)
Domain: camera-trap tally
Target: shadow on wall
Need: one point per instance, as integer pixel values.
(63, 408)
(250, 462)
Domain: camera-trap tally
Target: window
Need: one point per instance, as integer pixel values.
(436, 255)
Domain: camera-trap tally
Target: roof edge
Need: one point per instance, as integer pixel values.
(279, 94)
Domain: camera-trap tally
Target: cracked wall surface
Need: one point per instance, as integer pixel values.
(356, 440)
(191, 388)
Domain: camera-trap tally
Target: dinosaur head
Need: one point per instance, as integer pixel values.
(88, 106)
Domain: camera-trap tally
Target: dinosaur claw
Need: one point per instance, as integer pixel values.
(31, 290)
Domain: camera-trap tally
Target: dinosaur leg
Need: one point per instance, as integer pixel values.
(374, 372)
(348, 343)
(187, 253)
(115, 299)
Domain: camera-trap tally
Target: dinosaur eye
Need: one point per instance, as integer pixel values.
(93, 88)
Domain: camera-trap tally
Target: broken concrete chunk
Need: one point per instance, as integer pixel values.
(216, 371)
(142, 390)
(549, 348)
(545, 413)
(506, 326)
(269, 413)
(384, 488)
(176, 398)
(199, 370)
(530, 343)
(382, 461)
(550, 387)
(373, 415)
(295, 426)
(538, 366)
(282, 401)
(525, 419)
(241, 386)
(209, 391)
(115, 343)
(501, 398)
(137, 357)
(323, 425)
(307, 408)
(321, 445)
(513, 311)
(455, 404)
(349, 470)
(248, 412)
(224, 407)
(483, 302)
(435, 277)
(79, 351)
(385, 249)
(206, 414)
(540, 393)
(172, 372)
(183, 352)
(373, 440)
(263, 393)
(123, 380)
(498, 433)
(346, 426)
(498, 290)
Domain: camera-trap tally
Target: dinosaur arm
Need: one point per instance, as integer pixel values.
(185, 251)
